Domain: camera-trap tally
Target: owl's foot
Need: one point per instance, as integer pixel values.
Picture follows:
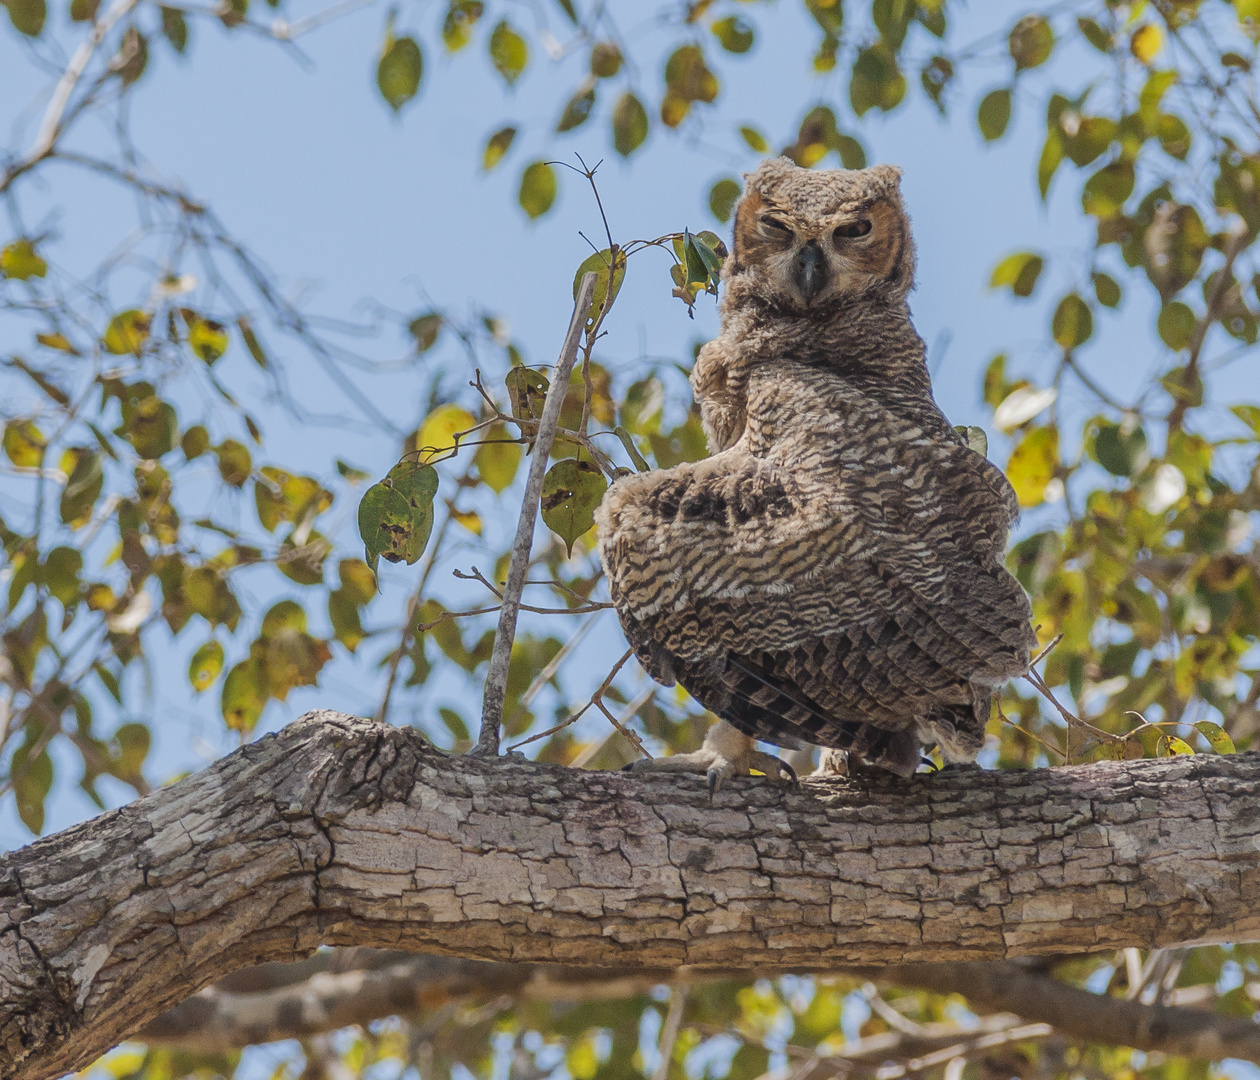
(725, 753)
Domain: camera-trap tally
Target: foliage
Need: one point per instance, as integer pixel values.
(144, 511)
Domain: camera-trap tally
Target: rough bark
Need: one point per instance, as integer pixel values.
(343, 831)
(366, 985)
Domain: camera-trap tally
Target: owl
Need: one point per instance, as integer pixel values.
(832, 574)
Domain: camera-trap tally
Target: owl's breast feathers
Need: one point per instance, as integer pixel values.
(833, 575)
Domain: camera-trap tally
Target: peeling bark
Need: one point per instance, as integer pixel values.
(347, 832)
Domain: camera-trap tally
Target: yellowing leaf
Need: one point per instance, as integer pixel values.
(24, 443)
(1073, 323)
(1146, 42)
(605, 59)
(19, 260)
(498, 459)
(127, 332)
(1216, 736)
(1032, 465)
(736, 35)
(57, 341)
(396, 515)
(469, 519)
(1019, 272)
(994, 114)
(207, 338)
(578, 109)
(496, 146)
(205, 665)
(243, 699)
(722, 197)
(1171, 746)
(436, 438)
(1031, 42)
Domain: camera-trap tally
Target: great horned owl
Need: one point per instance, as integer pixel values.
(833, 573)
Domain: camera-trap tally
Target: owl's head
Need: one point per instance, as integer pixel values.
(811, 239)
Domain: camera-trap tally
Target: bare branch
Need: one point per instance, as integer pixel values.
(496, 677)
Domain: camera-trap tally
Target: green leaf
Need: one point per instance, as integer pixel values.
(1176, 323)
(60, 573)
(31, 780)
(127, 332)
(1049, 162)
(396, 515)
(1106, 288)
(1216, 736)
(1094, 34)
(83, 488)
(538, 189)
(736, 35)
(935, 76)
(1118, 448)
(629, 124)
(496, 146)
(243, 698)
(1249, 415)
(174, 27)
(205, 665)
(627, 441)
(571, 491)
(425, 329)
(1031, 41)
(150, 425)
(1033, 463)
(1019, 272)
(28, 17)
(19, 260)
(976, 438)
(235, 464)
(83, 10)
(508, 52)
(877, 82)
(1073, 323)
(994, 114)
(602, 263)
(722, 198)
(400, 69)
(578, 109)
(605, 59)
(1105, 192)
(567, 7)
(688, 76)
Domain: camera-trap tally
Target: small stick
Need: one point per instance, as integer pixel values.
(496, 678)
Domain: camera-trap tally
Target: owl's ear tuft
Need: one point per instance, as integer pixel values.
(887, 174)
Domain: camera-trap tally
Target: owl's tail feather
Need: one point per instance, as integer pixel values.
(765, 707)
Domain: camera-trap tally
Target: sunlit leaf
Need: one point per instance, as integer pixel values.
(127, 332)
(538, 189)
(755, 140)
(1216, 736)
(436, 438)
(235, 464)
(1105, 192)
(19, 259)
(1019, 272)
(498, 458)
(24, 443)
(207, 338)
(1146, 42)
(571, 491)
(205, 665)
(1033, 463)
(457, 27)
(877, 81)
(243, 699)
(83, 488)
(1176, 323)
(1172, 746)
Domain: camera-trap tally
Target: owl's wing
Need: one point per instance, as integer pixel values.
(834, 594)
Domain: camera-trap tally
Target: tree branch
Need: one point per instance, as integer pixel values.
(497, 674)
(356, 986)
(343, 831)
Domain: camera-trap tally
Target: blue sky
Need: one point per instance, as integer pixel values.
(354, 210)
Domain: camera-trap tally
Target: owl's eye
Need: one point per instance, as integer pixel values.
(853, 230)
(775, 225)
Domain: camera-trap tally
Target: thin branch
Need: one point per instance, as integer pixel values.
(496, 678)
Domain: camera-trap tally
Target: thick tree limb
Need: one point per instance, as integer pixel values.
(372, 985)
(344, 831)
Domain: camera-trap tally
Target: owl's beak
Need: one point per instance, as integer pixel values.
(809, 271)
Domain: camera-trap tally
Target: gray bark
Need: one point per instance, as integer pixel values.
(347, 832)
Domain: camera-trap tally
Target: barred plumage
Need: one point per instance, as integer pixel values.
(833, 573)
